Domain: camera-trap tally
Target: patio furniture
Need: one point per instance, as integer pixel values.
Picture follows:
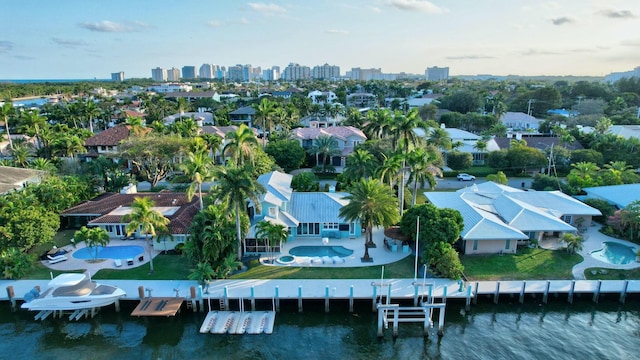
(117, 262)
(56, 259)
(129, 262)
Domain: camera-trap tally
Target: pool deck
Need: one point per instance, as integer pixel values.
(593, 241)
(78, 264)
(379, 254)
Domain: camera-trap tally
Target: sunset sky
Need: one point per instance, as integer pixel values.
(80, 39)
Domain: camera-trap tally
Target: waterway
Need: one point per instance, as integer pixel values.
(509, 330)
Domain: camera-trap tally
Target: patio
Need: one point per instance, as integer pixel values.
(81, 264)
(380, 254)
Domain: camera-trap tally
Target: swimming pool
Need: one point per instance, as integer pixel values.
(615, 253)
(109, 252)
(340, 251)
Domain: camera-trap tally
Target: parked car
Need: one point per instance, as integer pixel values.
(465, 177)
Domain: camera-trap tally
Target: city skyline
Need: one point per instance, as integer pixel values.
(74, 39)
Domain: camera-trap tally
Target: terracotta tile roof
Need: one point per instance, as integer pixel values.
(111, 137)
(104, 204)
(134, 113)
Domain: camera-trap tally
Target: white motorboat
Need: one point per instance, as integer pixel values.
(72, 292)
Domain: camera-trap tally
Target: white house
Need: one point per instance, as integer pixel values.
(519, 121)
(321, 97)
(498, 217)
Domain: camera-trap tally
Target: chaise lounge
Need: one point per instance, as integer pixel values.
(56, 259)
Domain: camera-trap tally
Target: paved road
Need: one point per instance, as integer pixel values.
(453, 183)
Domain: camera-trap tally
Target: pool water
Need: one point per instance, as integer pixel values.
(614, 253)
(109, 252)
(330, 251)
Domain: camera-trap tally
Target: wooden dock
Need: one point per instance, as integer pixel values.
(158, 306)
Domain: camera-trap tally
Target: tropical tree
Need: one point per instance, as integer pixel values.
(574, 242)
(275, 234)
(265, 111)
(389, 171)
(203, 273)
(498, 178)
(630, 216)
(235, 186)
(439, 138)
(424, 166)
(93, 238)
(583, 174)
(360, 164)
(240, 146)
(68, 146)
(7, 111)
(144, 218)
(198, 167)
(325, 145)
(21, 152)
(372, 204)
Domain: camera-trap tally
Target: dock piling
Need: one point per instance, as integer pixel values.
(226, 297)
(277, 300)
(475, 298)
(545, 296)
(11, 295)
(300, 298)
(623, 293)
(571, 290)
(441, 322)
(192, 292)
(374, 298)
(351, 299)
(522, 291)
(253, 299)
(326, 299)
(467, 305)
(496, 296)
(596, 294)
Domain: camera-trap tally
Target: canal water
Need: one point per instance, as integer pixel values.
(509, 330)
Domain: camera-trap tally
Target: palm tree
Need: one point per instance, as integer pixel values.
(439, 138)
(68, 146)
(145, 218)
(389, 171)
(234, 186)
(423, 167)
(373, 204)
(274, 233)
(21, 153)
(378, 123)
(34, 125)
(240, 145)
(213, 141)
(43, 164)
(325, 145)
(135, 124)
(574, 242)
(203, 273)
(91, 111)
(265, 112)
(360, 164)
(93, 238)
(7, 111)
(198, 168)
(630, 216)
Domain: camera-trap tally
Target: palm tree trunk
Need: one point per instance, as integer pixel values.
(415, 193)
(401, 187)
(150, 253)
(200, 194)
(6, 126)
(239, 238)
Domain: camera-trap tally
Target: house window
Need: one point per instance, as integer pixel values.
(272, 211)
(567, 218)
(330, 226)
(507, 244)
(475, 244)
(109, 228)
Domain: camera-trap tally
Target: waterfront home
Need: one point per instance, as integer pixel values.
(244, 115)
(468, 143)
(304, 214)
(107, 211)
(497, 217)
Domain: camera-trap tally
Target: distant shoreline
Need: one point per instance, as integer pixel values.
(39, 81)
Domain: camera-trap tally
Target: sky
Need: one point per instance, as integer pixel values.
(81, 39)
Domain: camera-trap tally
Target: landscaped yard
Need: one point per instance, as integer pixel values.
(612, 274)
(527, 264)
(166, 267)
(401, 269)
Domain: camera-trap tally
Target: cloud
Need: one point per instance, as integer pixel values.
(68, 42)
(533, 52)
(628, 42)
(110, 26)
(376, 9)
(417, 5)
(268, 9)
(244, 21)
(621, 14)
(5, 46)
(562, 20)
(24, 57)
(337, 32)
(470, 57)
(214, 23)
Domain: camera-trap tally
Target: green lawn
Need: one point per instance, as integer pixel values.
(401, 269)
(527, 264)
(612, 274)
(167, 267)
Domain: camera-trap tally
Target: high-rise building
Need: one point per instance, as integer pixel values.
(117, 76)
(159, 74)
(247, 72)
(296, 72)
(437, 73)
(276, 72)
(173, 74)
(221, 72)
(206, 71)
(366, 74)
(235, 73)
(325, 71)
(188, 72)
